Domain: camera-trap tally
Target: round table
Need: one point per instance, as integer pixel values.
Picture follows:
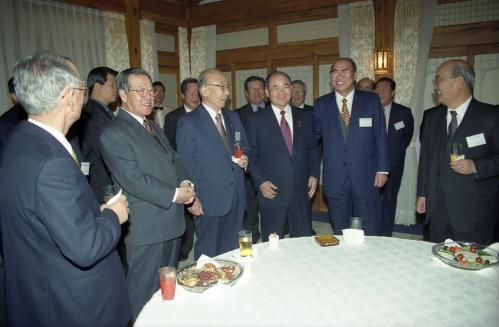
(382, 282)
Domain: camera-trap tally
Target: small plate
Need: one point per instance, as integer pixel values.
(466, 255)
(215, 272)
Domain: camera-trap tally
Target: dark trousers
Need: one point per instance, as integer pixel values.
(441, 227)
(251, 221)
(187, 240)
(366, 207)
(389, 195)
(219, 234)
(143, 263)
(297, 216)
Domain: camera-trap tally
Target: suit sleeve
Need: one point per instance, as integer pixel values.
(314, 156)
(186, 144)
(487, 167)
(381, 137)
(83, 234)
(123, 164)
(170, 129)
(409, 129)
(255, 168)
(424, 160)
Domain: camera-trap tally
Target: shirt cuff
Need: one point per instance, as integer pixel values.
(383, 172)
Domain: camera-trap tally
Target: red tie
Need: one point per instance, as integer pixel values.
(286, 133)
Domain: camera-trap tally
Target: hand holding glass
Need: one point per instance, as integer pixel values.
(456, 152)
(110, 191)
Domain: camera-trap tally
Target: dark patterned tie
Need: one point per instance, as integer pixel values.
(453, 123)
(148, 127)
(286, 132)
(221, 130)
(345, 115)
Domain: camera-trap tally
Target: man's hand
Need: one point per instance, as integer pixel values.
(380, 179)
(120, 208)
(463, 166)
(186, 195)
(312, 186)
(421, 204)
(242, 161)
(196, 208)
(268, 190)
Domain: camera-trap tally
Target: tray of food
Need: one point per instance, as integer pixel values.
(200, 277)
(466, 255)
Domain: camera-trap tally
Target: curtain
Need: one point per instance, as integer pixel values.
(28, 26)
(362, 37)
(413, 33)
(116, 43)
(149, 54)
(203, 49)
(344, 29)
(183, 54)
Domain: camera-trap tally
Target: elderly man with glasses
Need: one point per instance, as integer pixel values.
(61, 264)
(205, 140)
(149, 171)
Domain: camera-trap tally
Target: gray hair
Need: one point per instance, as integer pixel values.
(204, 74)
(122, 78)
(464, 69)
(275, 73)
(40, 79)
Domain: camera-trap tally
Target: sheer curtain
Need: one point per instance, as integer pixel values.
(203, 49)
(27, 26)
(362, 37)
(413, 33)
(149, 55)
(183, 54)
(344, 28)
(116, 43)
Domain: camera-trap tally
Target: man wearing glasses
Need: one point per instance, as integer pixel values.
(205, 140)
(149, 171)
(352, 127)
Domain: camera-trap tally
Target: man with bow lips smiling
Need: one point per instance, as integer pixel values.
(285, 161)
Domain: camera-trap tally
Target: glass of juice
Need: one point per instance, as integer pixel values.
(238, 151)
(245, 243)
(167, 282)
(456, 152)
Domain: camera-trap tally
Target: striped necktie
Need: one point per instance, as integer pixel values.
(345, 115)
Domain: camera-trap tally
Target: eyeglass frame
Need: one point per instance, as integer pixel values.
(142, 92)
(81, 87)
(222, 86)
(344, 72)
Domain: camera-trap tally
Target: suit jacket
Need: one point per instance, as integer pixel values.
(271, 161)
(245, 112)
(471, 199)
(400, 130)
(61, 265)
(216, 177)
(365, 151)
(93, 121)
(308, 107)
(149, 171)
(170, 125)
(8, 121)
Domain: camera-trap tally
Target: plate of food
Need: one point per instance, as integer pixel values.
(466, 255)
(198, 277)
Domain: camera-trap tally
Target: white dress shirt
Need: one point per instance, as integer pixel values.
(288, 116)
(349, 97)
(461, 110)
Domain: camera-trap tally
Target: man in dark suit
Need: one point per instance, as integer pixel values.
(352, 127)
(285, 161)
(190, 95)
(299, 92)
(61, 265)
(11, 117)
(101, 83)
(400, 128)
(461, 197)
(254, 90)
(150, 172)
(205, 139)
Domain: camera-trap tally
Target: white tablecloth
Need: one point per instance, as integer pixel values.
(383, 282)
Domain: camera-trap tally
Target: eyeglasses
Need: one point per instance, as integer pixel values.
(437, 80)
(285, 89)
(337, 72)
(81, 87)
(222, 86)
(144, 92)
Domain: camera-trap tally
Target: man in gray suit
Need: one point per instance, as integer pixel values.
(149, 171)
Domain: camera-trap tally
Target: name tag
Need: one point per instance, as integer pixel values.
(85, 168)
(399, 125)
(475, 140)
(365, 122)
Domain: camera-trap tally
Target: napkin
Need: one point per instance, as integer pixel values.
(353, 236)
(114, 198)
(205, 259)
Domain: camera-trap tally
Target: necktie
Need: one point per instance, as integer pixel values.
(148, 127)
(286, 132)
(259, 108)
(221, 130)
(345, 115)
(453, 123)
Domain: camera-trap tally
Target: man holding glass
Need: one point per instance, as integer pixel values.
(205, 140)
(61, 264)
(460, 197)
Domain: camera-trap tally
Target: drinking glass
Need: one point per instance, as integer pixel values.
(356, 223)
(167, 282)
(245, 243)
(110, 191)
(456, 152)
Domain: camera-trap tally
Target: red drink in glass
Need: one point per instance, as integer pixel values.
(167, 285)
(238, 151)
